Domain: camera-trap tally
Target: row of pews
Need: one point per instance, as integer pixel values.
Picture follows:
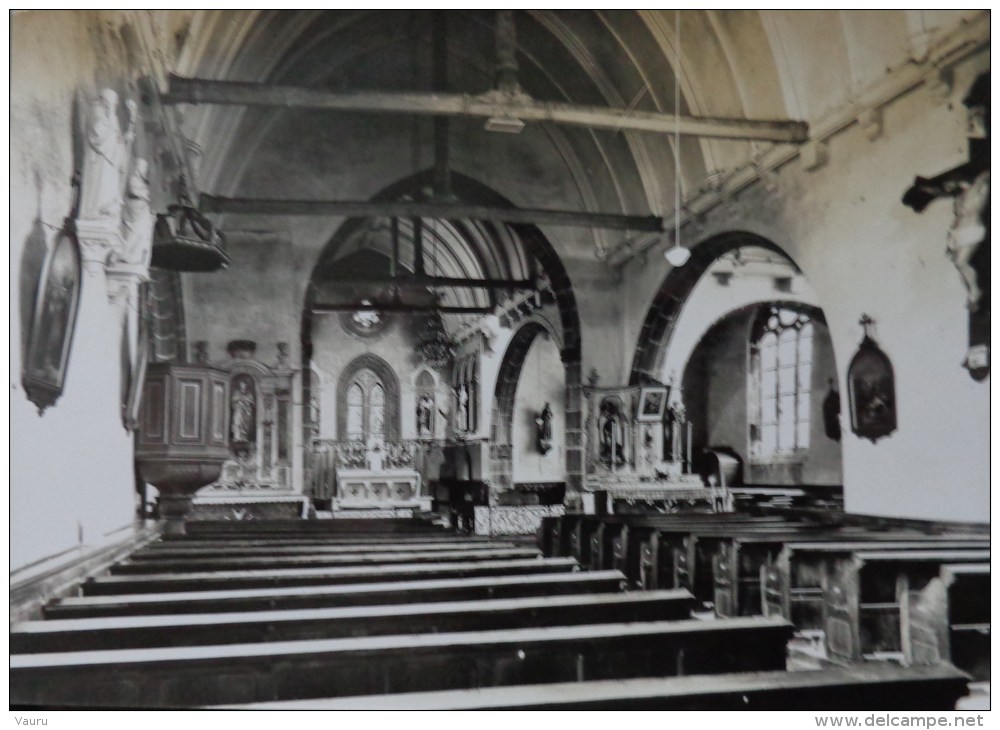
(916, 594)
(402, 614)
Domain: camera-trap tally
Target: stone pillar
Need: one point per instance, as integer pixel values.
(96, 342)
(575, 462)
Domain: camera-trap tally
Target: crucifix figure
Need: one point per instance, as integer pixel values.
(968, 237)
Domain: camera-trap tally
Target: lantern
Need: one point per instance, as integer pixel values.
(185, 240)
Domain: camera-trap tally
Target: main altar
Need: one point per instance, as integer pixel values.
(371, 478)
(638, 455)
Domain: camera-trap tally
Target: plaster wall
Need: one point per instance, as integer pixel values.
(334, 349)
(542, 381)
(71, 469)
(719, 413)
(864, 252)
(710, 302)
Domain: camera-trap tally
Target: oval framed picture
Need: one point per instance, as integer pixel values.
(53, 322)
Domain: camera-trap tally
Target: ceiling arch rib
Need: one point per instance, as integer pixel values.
(661, 26)
(729, 54)
(237, 56)
(592, 69)
(258, 124)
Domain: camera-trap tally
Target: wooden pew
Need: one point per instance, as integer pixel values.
(635, 552)
(862, 611)
(232, 579)
(559, 535)
(331, 596)
(190, 564)
(947, 618)
(795, 584)
(881, 687)
(741, 586)
(544, 535)
(241, 673)
(172, 550)
(691, 554)
(223, 529)
(329, 623)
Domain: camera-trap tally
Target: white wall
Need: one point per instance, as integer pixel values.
(334, 348)
(864, 252)
(71, 467)
(720, 412)
(543, 380)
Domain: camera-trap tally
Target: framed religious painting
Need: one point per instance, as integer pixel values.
(53, 322)
(871, 390)
(652, 403)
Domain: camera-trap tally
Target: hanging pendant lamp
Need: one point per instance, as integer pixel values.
(185, 240)
(677, 255)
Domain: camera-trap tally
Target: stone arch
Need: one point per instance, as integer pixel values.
(532, 241)
(665, 309)
(504, 394)
(390, 382)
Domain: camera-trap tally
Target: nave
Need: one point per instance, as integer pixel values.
(405, 614)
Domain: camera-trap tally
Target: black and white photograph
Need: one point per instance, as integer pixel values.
(399, 359)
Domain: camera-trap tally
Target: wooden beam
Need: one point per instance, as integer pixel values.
(393, 307)
(432, 281)
(183, 90)
(443, 211)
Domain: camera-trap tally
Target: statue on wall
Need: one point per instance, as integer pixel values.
(611, 426)
(968, 231)
(425, 416)
(462, 414)
(138, 218)
(243, 420)
(106, 157)
(968, 237)
(544, 424)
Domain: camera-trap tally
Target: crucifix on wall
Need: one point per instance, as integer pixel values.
(968, 237)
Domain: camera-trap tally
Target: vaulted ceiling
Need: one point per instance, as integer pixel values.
(738, 64)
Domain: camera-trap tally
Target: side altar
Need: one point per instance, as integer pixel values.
(256, 481)
(638, 451)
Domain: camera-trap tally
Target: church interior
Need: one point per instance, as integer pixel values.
(523, 359)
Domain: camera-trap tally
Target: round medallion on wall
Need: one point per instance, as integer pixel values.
(366, 321)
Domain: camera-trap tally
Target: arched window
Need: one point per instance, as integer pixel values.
(365, 406)
(466, 380)
(367, 400)
(355, 412)
(376, 410)
(780, 383)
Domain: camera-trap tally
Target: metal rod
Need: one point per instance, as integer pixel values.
(506, 42)
(436, 210)
(391, 307)
(394, 261)
(431, 281)
(418, 246)
(184, 90)
(439, 43)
